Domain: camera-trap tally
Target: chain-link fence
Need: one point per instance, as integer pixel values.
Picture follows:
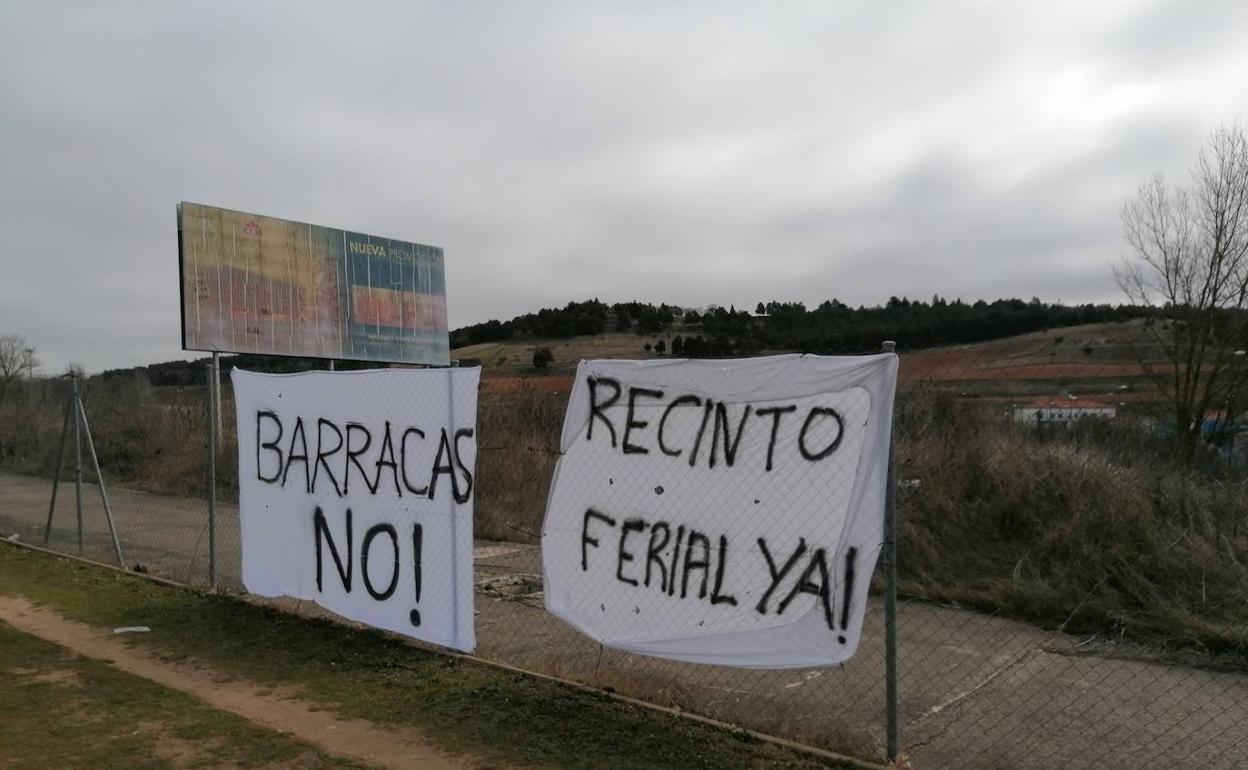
(1073, 592)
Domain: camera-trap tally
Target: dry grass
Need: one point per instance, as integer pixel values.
(517, 356)
(518, 446)
(1085, 530)
(146, 438)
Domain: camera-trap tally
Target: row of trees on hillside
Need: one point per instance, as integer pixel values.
(188, 373)
(831, 327)
(576, 318)
(835, 327)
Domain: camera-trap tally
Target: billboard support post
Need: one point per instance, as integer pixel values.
(214, 436)
(216, 395)
(892, 706)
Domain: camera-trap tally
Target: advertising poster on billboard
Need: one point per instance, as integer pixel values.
(255, 284)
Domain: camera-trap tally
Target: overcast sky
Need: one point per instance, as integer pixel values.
(681, 152)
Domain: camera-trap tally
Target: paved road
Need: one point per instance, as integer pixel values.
(977, 691)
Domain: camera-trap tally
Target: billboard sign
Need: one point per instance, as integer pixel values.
(255, 284)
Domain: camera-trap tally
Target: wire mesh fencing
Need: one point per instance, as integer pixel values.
(150, 444)
(1073, 589)
(1075, 586)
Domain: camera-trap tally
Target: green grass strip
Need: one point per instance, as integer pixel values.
(467, 707)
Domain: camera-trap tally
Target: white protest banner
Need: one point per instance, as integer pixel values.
(356, 490)
(726, 512)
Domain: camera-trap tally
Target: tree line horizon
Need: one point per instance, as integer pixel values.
(832, 327)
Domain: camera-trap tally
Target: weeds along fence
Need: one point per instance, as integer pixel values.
(1072, 594)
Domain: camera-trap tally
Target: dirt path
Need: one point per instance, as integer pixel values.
(349, 738)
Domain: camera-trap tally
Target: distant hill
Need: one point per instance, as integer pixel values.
(595, 329)
(184, 373)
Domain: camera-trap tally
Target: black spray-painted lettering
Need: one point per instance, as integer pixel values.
(321, 454)
(325, 541)
(707, 408)
(630, 525)
(730, 444)
(677, 402)
(777, 575)
(586, 540)
(271, 445)
(815, 579)
(353, 458)
(689, 567)
(654, 549)
(717, 595)
(814, 413)
(366, 549)
(701, 562)
(387, 450)
(462, 433)
(358, 457)
(418, 546)
(403, 461)
(823, 589)
(689, 564)
(613, 405)
(302, 456)
(596, 408)
(445, 464)
(671, 582)
(850, 555)
(322, 529)
(776, 412)
(632, 423)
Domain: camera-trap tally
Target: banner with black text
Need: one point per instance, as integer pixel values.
(726, 512)
(356, 492)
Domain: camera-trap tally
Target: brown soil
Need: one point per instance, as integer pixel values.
(350, 738)
(977, 365)
(535, 383)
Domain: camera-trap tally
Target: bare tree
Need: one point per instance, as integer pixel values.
(1189, 254)
(15, 356)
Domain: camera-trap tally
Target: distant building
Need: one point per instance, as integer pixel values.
(1063, 410)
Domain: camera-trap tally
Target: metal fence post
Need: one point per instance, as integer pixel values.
(213, 414)
(70, 406)
(892, 704)
(99, 480)
(78, 460)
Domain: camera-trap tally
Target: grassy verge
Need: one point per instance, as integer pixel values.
(504, 717)
(1092, 530)
(61, 710)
